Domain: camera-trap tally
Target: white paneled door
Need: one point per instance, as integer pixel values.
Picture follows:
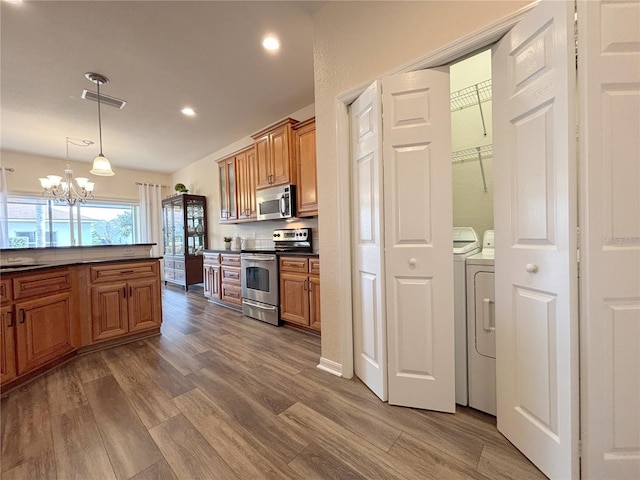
(536, 248)
(369, 325)
(609, 79)
(402, 230)
(418, 239)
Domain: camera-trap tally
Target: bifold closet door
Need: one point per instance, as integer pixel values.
(536, 246)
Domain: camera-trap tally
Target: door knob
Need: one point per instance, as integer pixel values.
(531, 268)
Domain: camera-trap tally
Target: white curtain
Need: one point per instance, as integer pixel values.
(151, 216)
(4, 214)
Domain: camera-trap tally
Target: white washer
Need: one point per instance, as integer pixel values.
(481, 340)
(465, 244)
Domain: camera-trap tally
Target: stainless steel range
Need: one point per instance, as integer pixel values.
(260, 281)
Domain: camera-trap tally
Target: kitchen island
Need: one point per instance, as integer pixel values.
(58, 303)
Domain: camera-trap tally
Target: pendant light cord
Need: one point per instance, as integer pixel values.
(99, 117)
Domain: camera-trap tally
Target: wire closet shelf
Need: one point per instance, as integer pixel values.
(470, 96)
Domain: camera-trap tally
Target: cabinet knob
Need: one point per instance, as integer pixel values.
(413, 263)
(531, 268)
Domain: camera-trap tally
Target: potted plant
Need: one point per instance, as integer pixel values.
(227, 243)
(181, 188)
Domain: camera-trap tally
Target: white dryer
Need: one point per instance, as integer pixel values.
(465, 244)
(481, 339)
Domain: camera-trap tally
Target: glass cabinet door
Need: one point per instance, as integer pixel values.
(196, 230)
(232, 189)
(167, 230)
(178, 220)
(224, 209)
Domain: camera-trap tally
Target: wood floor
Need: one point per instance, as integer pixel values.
(221, 396)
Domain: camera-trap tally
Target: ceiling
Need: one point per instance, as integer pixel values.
(159, 56)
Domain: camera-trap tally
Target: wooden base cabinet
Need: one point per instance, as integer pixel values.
(7, 344)
(43, 330)
(38, 321)
(222, 279)
(300, 291)
(211, 266)
(129, 305)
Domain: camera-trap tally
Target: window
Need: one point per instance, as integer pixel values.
(40, 222)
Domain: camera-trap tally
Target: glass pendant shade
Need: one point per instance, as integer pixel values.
(102, 167)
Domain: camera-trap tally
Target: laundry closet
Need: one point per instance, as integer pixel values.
(474, 273)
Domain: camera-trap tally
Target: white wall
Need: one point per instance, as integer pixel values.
(202, 178)
(28, 168)
(355, 43)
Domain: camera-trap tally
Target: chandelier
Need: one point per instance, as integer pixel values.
(62, 189)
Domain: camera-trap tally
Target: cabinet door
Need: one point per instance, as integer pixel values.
(263, 159)
(294, 298)
(314, 303)
(307, 185)
(212, 282)
(207, 278)
(228, 186)
(252, 183)
(280, 156)
(143, 298)
(109, 311)
(7, 345)
(43, 330)
(247, 179)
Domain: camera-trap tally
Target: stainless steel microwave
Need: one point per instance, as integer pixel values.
(276, 202)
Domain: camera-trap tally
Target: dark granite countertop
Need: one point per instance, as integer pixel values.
(5, 269)
(41, 249)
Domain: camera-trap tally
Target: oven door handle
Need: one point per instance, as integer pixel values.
(260, 258)
(256, 305)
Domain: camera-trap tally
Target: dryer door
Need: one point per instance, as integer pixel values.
(485, 314)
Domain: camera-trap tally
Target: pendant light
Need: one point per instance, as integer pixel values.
(101, 164)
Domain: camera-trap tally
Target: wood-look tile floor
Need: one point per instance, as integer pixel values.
(222, 396)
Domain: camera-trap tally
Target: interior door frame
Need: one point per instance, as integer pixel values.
(441, 56)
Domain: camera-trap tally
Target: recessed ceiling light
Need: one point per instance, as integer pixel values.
(188, 111)
(271, 43)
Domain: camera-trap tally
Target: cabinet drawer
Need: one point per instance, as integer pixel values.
(123, 271)
(230, 275)
(42, 284)
(5, 290)
(314, 266)
(169, 274)
(179, 276)
(169, 263)
(294, 264)
(230, 259)
(211, 259)
(232, 294)
(178, 265)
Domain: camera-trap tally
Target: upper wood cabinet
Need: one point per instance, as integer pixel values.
(305, 153)
(275, 155)
(247, 171)
(228, 183)
(238, 181)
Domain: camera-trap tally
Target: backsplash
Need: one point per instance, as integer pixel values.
(260, 234)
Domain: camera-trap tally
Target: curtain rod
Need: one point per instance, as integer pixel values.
(152, 184)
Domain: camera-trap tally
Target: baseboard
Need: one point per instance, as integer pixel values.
(330, 366)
